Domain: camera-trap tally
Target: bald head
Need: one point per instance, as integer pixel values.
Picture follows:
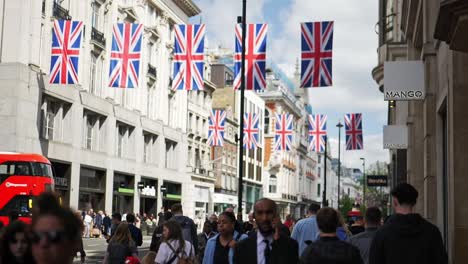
(265, 210)
(266, 203)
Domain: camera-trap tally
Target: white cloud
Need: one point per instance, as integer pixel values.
(354, 57)
(220, 18)
(373, 151)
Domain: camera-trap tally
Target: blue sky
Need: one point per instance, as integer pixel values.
(354, 57)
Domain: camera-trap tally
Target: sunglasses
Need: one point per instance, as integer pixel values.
(53, 237)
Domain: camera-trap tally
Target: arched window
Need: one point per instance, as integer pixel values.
(267, 121)
(273, 184)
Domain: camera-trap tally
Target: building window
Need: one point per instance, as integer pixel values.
(150, 52)
(319, 171)
(272, 184)
(49, 123)
(90, 122)
(149, 147)
(267, 122)
(124, 140)
(171, 159)
(318, 190)
(95, 15)
(92, 74)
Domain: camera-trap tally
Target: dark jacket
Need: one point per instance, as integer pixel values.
(407, 239)
(283, 251)
(189, 230)
(331, 250)
(156, 239)
(136, 234)
(363, 242)
(202, 240)
(106, 222)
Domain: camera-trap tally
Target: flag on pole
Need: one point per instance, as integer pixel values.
(251, 130)
(216, 128)
(353, 127)
(66, 43)
(283, 132)
(188, 57)
(317, 132)
(255, 56)
(125, 55)
(316, 54)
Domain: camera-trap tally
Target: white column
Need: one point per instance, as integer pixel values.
(74, 185)
(136, 196)
(109, 190)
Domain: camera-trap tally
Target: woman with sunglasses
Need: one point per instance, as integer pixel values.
(121, 246)
(220, 248)
(56, 231)
(15, 247)
(174, 248)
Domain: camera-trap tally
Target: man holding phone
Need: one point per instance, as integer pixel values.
(267, 245)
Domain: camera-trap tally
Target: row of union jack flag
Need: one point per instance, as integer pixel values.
(188, 60)
(318, 132)
(284, 131)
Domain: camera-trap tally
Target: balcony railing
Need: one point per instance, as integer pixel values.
(98, 36)
(152, 71)
(61, 13)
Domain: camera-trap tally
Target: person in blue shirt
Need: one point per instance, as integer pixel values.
(306, 230)
(220, 248)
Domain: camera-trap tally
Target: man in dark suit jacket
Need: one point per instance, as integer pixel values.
(268, 245)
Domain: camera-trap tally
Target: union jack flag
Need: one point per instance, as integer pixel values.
(216, 128)
(353, 126)
(283, 132)
(125, 55)
(251, 131)
(66, 42)
(188, 57)
(317, 133)
(255, 57)
(316, 54)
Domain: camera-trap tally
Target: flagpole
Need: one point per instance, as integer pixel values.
(241, 119)
(324, 198)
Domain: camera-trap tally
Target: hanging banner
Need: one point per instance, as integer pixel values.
(403, 80)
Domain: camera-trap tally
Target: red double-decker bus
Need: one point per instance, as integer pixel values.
(22, 177)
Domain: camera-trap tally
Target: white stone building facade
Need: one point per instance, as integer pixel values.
(102, 141)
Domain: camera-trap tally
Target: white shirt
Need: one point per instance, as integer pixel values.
(261, 247)
(88, 219)
(165, 253)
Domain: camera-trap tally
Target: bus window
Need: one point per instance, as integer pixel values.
(41, 169)
(20, 204)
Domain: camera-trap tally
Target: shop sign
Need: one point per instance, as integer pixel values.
(377, 180)
(173, 197)
(403, 80)
(126, 190)
(60, 181)
(395, 137)
(148, 191)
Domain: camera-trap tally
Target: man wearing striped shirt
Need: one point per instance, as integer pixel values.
(306, 230)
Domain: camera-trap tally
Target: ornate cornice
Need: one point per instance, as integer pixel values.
(188, 6)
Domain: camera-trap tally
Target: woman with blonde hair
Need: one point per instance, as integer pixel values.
(342, 232)
(121, 246)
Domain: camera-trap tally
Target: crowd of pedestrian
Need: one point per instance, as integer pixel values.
(56, 236)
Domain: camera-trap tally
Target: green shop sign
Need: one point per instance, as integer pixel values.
(126, 190)
(173, 197)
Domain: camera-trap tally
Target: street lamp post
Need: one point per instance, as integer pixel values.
(241, 125)
(324, 198)
(365, 180)
(339, 126)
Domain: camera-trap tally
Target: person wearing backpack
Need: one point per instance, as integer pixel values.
(174, 249)
(220, 248)
(121, 246)
(189, 230)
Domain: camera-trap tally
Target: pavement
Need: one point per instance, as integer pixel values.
(95, 249)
